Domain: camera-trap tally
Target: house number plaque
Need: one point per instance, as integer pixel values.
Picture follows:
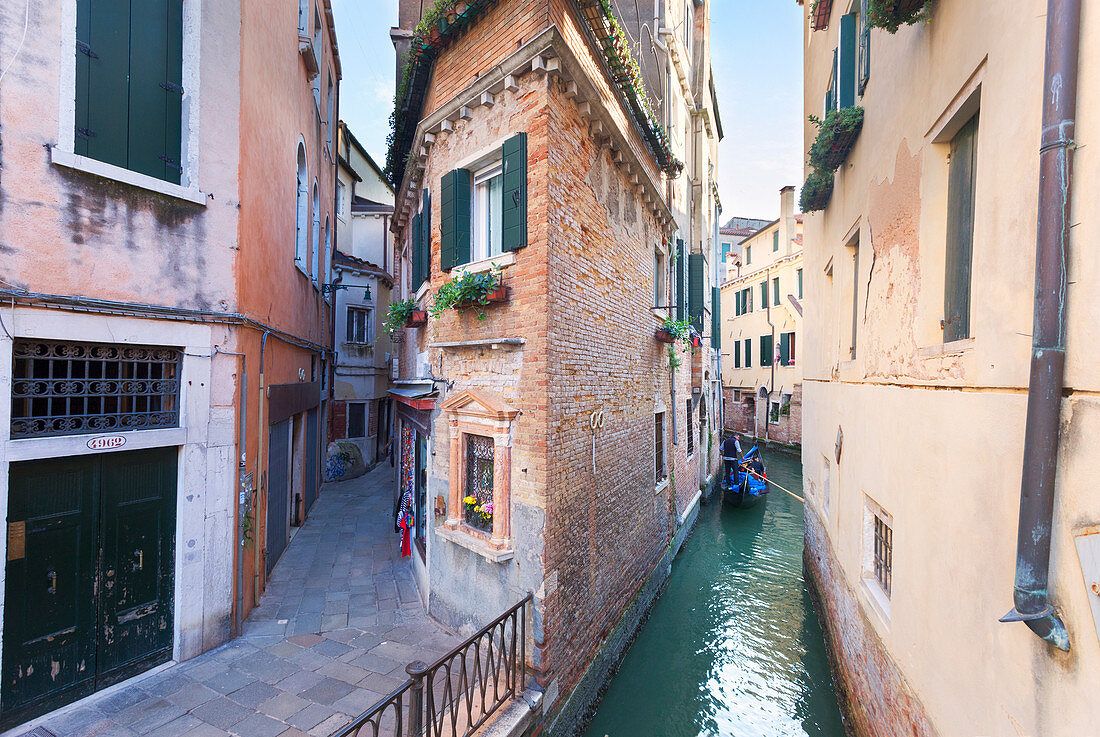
(106, 442)
(17, 540)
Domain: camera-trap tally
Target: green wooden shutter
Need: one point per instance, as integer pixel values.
(737, 354)
(454, 222)
(426, 235)
(784, 348)
(830, 94)
(960, 233)
(155, 111)
(715, 318)
(415, 244)
(764, 294)
(775, 291)
(681, 292)
(102, 73)
(847, 67)
(514, 156)
(748, 352)
(775, 241)
(696, 303)
(864, 46)
(766, 350)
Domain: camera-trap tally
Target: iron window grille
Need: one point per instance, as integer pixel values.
(479, 482)
(659, 445)
(64, 388)
(688, 430)
(884, 554)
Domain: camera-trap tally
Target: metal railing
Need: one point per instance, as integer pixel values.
(458, 693)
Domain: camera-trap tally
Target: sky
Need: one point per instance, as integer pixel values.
(756, 52)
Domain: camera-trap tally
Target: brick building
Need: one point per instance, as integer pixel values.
(556, 405)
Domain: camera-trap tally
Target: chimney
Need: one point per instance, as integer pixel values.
(786, 219)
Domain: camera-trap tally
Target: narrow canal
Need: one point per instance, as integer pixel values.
(732, 647)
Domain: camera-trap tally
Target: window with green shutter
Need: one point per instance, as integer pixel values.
(748, 352)
(784, 348)
(766, 350)
(696, 304)
(847, 64)
(454, 219)
(514, 157)
(763, 294)
(426, 235)
(864, 46)
(716, 318)
(800, 283)
(737, 354)
(416, 242)
(129, 93)
(775, 291)
(681, 291)
(775, 240)
(960, 232)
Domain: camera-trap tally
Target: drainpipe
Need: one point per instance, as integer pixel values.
(771, 383)
(260, 474)
(1044, 397)
(242, 503)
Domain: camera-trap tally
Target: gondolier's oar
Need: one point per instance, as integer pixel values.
(769, 481)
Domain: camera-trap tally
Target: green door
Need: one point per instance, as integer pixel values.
(88, 591)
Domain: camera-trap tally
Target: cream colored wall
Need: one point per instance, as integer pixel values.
(934, 433)
(767, 264)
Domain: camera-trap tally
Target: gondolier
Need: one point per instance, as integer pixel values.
(731, 447)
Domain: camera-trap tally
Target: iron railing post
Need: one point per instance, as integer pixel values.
(416, 671)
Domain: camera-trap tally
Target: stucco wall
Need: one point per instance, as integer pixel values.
(931, 432)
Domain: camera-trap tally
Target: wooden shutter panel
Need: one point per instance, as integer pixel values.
(960, 233)
(748, 352)
(784, 348)
(864, 46)
(426, 235)
(681, 301)
(715, 318)
(847, 67)
(102, 73)
(790, 349)
(696, 304)
(454, 221)
(415, 244)
(766, 350)
(156, 36)
(514, 214)
(737, 354)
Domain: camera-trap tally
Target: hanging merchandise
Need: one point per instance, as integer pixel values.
(405, 521)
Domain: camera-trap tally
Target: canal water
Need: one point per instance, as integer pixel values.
(733, 646)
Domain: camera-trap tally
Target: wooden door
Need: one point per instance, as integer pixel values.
(278, 492)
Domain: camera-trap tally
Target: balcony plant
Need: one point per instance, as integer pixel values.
(893, 14)
(472, 289)
(403, 314)
(816, 192)
(673, 330)
(836, 135)
(820, 12)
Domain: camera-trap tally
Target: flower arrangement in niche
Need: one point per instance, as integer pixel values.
(479, 515)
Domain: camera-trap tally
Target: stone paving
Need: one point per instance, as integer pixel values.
(335, 628)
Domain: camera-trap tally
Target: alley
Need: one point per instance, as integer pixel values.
(338, 623)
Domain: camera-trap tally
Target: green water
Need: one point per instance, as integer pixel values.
(733, 646)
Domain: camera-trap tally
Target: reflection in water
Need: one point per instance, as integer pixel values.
(733, 646)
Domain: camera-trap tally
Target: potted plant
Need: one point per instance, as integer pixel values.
(403, 314)
(836, 135)
(893, 14)
(479, 515)
(820, 12)
(673, 330)
(472, 289)
(816, 192)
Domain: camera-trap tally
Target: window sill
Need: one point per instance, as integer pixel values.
(661, 486)
(660, 313)
(504, 260)
(879, 601)
(424, 287)
(70, 160)
(474, 544)
(953, 348)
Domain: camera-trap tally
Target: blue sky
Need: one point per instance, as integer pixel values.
(756, 49)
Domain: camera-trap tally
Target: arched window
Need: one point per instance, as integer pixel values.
(300, 212)
(316, 233)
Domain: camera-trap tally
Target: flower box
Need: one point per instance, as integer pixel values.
(664, 336)
(893, 14)
(822, 10)
(816, 192)
(417, 319)
(836, 136)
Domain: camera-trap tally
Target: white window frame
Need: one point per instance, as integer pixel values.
(63, 153)
(301, 208)
(368, 324)
(878, 596)
(303, 17)
(660, 276)
(341, 194)
(481, 218)
(315, 255)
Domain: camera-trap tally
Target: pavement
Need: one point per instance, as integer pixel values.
(334, 630)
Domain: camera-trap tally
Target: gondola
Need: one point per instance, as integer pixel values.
(741, 485)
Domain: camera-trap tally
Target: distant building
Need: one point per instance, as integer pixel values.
(952, 418)
(761, 331)
(361, 407)
(730, 238)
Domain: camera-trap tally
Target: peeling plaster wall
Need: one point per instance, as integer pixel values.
(934, 433)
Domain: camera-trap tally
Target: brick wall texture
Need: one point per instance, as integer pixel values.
(581, 297)
(874, 696)
(748, 415)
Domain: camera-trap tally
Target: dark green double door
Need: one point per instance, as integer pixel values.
(88, 588)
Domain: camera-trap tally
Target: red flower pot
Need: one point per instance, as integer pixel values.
(417, 319)
(664, 336)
